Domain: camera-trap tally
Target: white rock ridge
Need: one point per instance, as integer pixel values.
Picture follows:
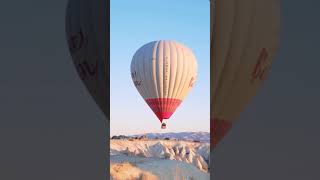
(188, 136)
(194, 153)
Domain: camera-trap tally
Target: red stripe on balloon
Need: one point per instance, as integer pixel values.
(218, 129)
(163, 107)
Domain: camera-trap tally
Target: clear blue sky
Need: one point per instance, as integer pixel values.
(135, 23)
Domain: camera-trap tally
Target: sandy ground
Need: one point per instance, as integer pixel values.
(127, 171)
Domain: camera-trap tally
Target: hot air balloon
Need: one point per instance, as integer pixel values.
(244, 40)
(87, 36)
(163, 72)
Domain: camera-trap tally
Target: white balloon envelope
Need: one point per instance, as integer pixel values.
(163, 73)
(87, 33)
(244, 40)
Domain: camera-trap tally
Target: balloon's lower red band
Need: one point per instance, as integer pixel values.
(164, 115)
(163, 107)
(218, 129)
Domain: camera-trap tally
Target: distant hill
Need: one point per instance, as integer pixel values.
(189, 136)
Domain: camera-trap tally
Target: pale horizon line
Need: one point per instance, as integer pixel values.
(158, 133)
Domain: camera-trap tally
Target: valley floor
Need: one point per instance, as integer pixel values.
(153, 169)
(159, 159)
